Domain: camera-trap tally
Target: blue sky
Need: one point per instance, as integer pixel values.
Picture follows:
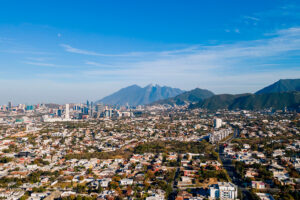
(70, 51)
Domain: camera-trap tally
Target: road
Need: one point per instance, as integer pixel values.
(229, 167)
(174, 185)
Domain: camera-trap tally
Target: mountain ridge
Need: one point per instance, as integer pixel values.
(134, 95)
(282, 85)
(191, 96)
(281, 94)
(251, 101)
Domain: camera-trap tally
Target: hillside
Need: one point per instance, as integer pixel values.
(221, 101)
(251, 101)
(194, 95)
(136, 95)
(283, 85)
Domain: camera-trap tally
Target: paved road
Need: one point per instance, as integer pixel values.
(227, 164)
(172, 196)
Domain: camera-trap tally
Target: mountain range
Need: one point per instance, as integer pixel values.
(135, 95)
(283, 85)
(194, 95)
(251, 101)
(284, 93)
(281, 94)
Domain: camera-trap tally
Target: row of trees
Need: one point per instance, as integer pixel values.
(173, 146)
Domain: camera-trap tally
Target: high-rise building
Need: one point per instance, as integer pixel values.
(67, 115)
(85, 110)
(59, 112)
(91, 109)
(217, 123)
(29, 107)
(100, 108)
(9, 105)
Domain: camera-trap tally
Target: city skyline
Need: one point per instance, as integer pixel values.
(63, 52)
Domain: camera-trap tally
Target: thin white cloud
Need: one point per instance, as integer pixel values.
(18, 51)
(97, 64)
(252, 18)
(39, 59)
(45, 64)
(41, 64)
(179, 51)
(71, 49)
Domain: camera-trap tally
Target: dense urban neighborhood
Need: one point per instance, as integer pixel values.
(92, 151)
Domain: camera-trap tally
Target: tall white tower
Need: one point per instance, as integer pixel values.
(67, 115)
(217, 123)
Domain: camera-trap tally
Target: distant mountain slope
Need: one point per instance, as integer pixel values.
(136, 95)
(194, 95)
(251, 101)
(283, 85)
(221, 101)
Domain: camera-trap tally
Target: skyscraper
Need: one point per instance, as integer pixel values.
(217, 123)
(91, 109)
(59, 112)
(9, 105)
(67, 115)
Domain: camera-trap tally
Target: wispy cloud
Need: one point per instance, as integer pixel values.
(39, 59)
(52, 65)
(97, 64)
(252, 18)
(71, 49)
(288, 10)
(25, 52)
(41, 64)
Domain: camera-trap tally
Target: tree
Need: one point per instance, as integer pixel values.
(99, 189)
(24, 197)
(89, 171)
(34, 177)
(80, 188)
(113, 184)
(150, 174)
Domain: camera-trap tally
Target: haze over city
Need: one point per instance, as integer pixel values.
(70, 51)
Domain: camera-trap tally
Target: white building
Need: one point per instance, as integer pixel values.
(223, 190)
(67, 115)
(219, 135)
(105, 182)
(217, 123)
(126, 181)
